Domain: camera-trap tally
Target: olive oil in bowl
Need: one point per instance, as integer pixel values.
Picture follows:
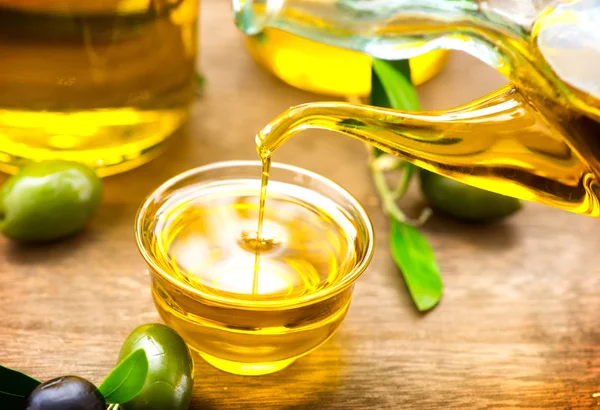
(253, 304)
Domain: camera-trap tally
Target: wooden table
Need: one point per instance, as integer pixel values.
(517, 327)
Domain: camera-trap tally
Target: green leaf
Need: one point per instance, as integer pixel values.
(15, 387)
(127, 379)
(413, 255)
(378, 98)
(391, 87)
(394, 87)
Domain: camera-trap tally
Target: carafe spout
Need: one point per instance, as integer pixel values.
(498, 143)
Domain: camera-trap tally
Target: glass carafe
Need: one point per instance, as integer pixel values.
(537, 138)
(103, 82)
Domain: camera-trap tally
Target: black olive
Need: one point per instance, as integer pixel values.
(66, 393)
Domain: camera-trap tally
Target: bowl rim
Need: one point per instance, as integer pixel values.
(308, 299)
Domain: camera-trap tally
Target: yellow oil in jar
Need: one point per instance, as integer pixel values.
(103, 82)
(328, 70)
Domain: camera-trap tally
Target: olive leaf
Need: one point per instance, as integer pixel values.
(391, 87)
(393, 78)
(127, 379)
(413, 254)
(15, 387)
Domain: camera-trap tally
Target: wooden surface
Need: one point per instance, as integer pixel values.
(517, 327)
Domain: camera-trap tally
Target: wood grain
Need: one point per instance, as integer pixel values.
(517, 328)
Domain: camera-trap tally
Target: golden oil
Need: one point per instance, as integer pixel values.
(535, 139)
(328, 70)
(103, 82)
(247, 314)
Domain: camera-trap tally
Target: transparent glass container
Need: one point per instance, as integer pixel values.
(207, 293)
(328, 70)
(102, 82)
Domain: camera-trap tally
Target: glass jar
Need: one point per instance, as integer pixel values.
(103, 82)
(325, 69)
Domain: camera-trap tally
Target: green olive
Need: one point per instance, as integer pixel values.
(48, 200)
(465, 202)
(170, 369)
